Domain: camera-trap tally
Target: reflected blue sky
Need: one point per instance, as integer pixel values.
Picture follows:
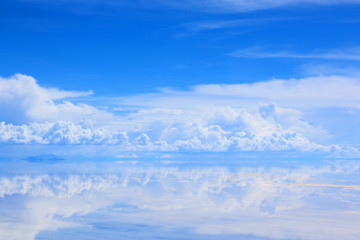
(179, 198)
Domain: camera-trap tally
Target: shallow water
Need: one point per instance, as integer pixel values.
(183, 196)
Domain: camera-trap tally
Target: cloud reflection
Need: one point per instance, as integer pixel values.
(293, 203)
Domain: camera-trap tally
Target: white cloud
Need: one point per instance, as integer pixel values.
(212, 6)
(248, 5)
(335, 54)
(262, 116)
(59, 133)
(212, 25)
(22, 100)
(270, 128)
(303, 106)
(306, 93)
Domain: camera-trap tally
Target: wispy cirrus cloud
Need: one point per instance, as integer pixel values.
(213, 6)
(223, 24)
(248, 5)
(352, 54)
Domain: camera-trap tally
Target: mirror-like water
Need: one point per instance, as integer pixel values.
(187, 197)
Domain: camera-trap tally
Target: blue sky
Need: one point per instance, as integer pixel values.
(181, 76)
(120, 48)
(201, 119)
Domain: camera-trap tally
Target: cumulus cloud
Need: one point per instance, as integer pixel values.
(261, 116)
(22, 100)
(270, 128)
(59, 133)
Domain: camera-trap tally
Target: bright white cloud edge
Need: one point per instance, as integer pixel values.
(237, 117)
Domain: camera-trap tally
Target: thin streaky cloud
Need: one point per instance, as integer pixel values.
(334, 54)
(355, 187)
(211, 6)
(247, 5)
(271, 176)
(223, 24)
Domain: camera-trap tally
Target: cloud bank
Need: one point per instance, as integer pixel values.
(305, 93)
(262, 116)
(270, 128)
